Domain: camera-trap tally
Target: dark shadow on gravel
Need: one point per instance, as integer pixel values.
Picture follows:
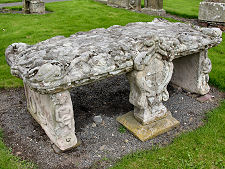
(108, 98)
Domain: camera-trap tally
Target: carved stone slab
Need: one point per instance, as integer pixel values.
(55, 115)
(60, 63)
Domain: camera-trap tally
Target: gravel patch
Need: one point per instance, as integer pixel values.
(102, 143)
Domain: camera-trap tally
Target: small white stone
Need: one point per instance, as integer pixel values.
(102, 147)
(94, 125)
(126, 141)
(97, 119)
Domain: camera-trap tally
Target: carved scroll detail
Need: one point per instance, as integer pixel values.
(149, 88)
(205, 68)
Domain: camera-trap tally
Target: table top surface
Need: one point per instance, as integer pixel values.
(60, 63)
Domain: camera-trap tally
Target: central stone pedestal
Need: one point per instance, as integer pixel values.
(146, 132)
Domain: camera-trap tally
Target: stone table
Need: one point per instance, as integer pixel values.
(151, 54)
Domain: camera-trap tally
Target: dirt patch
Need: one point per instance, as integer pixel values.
(101, 144)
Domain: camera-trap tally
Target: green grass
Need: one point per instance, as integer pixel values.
(203, 148)
(183, 8)
(9, 1)
(9, 161)
(217, 75)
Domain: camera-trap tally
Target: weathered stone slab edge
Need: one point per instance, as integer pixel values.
(146, 132)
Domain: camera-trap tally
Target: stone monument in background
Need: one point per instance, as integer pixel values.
(212, 11)
(128, 4)
(153, 7)
(33, 7)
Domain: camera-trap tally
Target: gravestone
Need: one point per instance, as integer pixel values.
(33, 7)
(212, 11)
(128, 4)
(154, 7)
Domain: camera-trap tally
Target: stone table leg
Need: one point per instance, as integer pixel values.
(148, 88)
(54, 112)
(192, 72)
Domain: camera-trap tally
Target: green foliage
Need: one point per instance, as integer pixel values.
(122, 129)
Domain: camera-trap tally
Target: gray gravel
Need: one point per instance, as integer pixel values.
(109, 99)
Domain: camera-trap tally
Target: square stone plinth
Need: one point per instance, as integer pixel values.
(146, 132)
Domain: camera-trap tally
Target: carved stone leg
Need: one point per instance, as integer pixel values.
(54, 112)
(148, 88)
(191, 72)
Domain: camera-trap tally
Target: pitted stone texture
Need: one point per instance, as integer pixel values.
(148, 88)
(33, 7)
(60, 63)
(212, 10)
(54, 113)
(129, 4)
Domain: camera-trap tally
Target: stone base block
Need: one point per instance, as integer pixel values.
(151, 11)
(146, 132)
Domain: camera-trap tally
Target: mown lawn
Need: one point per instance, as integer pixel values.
(9, 1)
(183, 8)
(203, 148)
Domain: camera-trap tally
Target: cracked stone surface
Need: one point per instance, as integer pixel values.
(88, 56)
